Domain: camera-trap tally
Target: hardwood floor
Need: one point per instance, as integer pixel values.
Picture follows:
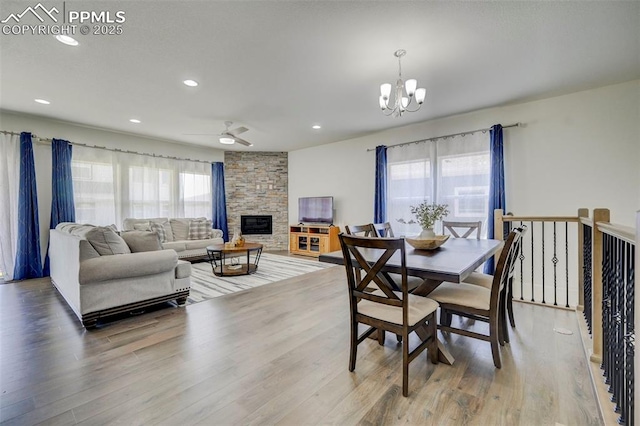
(276, 354)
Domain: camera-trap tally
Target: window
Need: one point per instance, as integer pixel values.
(464, 186)
(471, 201)
(150, 192)
(196, 189)
(94, 192)
(110, 186)
(455, 171)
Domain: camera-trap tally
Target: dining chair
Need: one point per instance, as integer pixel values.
(371, 230)
(462, 229)
(478, 302)
(399, 312)
(486, 280)
(384, 229)
(361, 230)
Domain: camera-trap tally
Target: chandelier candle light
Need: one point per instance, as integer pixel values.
(401, 102)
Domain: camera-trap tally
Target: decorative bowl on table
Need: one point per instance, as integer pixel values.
(427, 243)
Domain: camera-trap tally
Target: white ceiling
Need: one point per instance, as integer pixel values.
(278, 67)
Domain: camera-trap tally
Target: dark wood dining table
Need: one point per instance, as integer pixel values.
(454, 261)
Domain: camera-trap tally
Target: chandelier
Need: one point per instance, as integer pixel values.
(406, 94)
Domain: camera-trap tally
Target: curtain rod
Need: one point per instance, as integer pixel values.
(45, 141)
(470, 132)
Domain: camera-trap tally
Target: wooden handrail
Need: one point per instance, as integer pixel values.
(586, 221)
(509, 218)
(625, 233)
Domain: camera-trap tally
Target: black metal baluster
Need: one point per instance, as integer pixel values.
(566, 259)
(587, 271)
(627, 414)
(606, 270)
(521, 257)
(615, 348)
(626, 326)
(554, 260)
(543, 261)
(532, 288)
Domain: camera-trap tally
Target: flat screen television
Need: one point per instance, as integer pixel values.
(315, 210)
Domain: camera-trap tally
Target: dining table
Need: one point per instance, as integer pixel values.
(453, 261)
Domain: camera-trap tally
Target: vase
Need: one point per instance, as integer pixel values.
(427, 234)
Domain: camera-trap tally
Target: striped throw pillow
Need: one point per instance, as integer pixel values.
(199, 229)
(159, 229)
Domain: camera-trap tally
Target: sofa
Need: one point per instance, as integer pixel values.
(101, 273)
(189, 237)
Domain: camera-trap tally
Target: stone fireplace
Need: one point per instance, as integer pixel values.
(256, 186)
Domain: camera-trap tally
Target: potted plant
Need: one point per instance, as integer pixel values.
(426, 215)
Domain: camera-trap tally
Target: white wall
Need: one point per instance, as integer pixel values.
(46, 128)
(577, 150)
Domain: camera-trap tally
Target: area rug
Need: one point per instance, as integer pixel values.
(271, 268)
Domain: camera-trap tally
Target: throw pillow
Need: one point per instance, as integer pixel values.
(139, 241)
(142, 226)
(159, 229)
(199, 229)
(168, 232)
(180, 229)
(106, 241)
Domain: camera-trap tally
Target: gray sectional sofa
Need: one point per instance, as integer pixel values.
(177, 234)
(100, 273)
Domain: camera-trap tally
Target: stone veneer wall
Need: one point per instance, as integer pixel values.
(256, 183)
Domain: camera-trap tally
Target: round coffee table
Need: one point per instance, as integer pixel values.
(227, 260)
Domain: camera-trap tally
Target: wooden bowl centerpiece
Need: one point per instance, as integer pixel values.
(427, 243)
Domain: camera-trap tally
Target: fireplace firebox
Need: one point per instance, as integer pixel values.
(256, 224)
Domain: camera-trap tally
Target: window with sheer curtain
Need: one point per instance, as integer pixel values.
(9, 188)
(453, 171)
(110, 186)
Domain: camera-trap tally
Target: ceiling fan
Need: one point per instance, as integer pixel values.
(229, 136)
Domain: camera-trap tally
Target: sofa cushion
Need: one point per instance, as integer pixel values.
(139, 241)
(199, 229)
(106, 241)
(73, 228)
(174, 245)
(123, 266)
(200, 244)
(183, 269)
(142, 226)
(129, 224)
(180, 228)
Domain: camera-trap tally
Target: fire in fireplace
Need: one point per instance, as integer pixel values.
(253, 224)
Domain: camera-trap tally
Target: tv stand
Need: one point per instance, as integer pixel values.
(313, 240)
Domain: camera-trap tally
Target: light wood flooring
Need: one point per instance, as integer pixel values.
(276, 354)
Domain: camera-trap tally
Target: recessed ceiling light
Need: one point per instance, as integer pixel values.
(70, 41)
(191, 83)
(135, 120)
(42, 101)
(316, 127)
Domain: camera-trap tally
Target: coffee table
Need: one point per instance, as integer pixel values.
(227, 260)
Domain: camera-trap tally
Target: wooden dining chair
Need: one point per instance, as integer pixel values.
(478, 302)
(371, 230)
(399, 312)
(384, 230)
(361, 230)
(486, 280)
(462, 229)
